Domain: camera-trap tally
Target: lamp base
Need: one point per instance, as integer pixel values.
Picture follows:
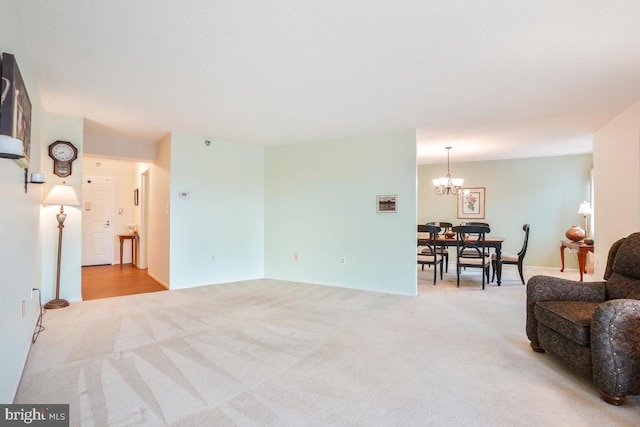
(56, 303)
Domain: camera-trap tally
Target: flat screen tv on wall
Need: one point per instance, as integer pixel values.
(15, 106)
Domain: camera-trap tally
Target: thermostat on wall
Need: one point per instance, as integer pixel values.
(184, 194)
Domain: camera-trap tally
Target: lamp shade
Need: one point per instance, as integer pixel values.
(62, 194)
(585, 208)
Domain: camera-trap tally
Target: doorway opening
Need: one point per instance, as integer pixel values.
(115, 194)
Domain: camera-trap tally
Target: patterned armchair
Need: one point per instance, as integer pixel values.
(594, 327)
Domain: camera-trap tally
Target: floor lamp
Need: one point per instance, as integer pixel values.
(62, 195)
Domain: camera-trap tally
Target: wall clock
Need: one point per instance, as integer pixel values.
(63, 154)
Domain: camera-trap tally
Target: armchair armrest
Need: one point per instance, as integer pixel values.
(548, 288)
(615, 348)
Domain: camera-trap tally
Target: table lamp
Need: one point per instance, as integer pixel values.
(60, 194)
(585, 209)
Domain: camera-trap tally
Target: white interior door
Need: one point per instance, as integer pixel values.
(97, 220)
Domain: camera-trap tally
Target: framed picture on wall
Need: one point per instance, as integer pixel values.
(471, 203)
(387, 203)
(15, 107)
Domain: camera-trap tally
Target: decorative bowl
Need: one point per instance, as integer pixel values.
(575, 233)
(449, 234)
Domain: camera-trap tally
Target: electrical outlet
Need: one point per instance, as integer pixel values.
(296, 256)
(343, 260)
(213, 258)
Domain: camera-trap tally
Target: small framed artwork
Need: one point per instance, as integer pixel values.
(387, 203)
(135, 197)
(15, 107)
(471, 202)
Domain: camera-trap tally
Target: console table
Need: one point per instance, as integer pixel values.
(582, 250)
(134, 246)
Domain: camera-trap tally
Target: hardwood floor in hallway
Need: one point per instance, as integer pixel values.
(104, 281)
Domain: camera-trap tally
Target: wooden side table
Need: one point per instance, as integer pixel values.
(134, 246)
(582, 249)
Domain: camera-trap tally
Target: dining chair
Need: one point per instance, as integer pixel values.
(428, 251)
(442, 224)
(517, 259)
(481, 224)
(445, 226)
(472, 253)
(470, 240)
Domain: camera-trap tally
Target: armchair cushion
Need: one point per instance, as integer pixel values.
(572, 319)
(546, 288)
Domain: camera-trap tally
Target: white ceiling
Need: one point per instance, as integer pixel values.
(492, 78)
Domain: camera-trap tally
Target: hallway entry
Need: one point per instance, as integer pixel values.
(105, 281)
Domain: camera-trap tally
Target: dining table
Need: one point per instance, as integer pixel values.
(494, 242)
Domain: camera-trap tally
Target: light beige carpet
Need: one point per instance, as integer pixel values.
(276, 353)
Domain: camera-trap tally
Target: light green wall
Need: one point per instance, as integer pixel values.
(20, 262)
(320, 202)
(223, 216)
(66, 128)
(543, 192)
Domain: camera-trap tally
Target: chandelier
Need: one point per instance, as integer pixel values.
(447, 185)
